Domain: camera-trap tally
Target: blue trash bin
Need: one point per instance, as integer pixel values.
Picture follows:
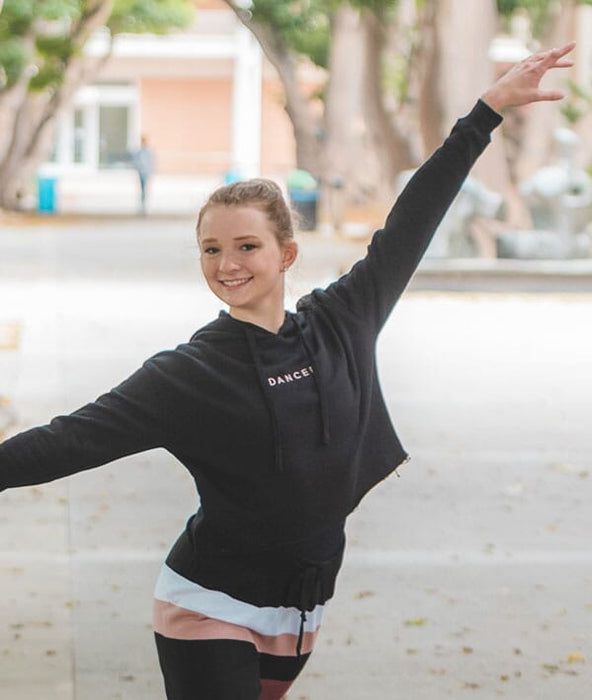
(231, 176)
(304, 203)
(46, 194)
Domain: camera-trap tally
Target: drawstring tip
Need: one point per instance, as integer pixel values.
(300, 634)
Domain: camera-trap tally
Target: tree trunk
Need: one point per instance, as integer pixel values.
(540, 120)
(31, 117)
(457, 69)
(430, 101)
(392, 148)
(305, 122)
(346, 167)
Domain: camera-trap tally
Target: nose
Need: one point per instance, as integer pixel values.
(228, 263)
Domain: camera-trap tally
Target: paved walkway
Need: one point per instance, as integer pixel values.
(467, 577)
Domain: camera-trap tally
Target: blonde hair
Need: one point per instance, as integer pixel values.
(257, 192)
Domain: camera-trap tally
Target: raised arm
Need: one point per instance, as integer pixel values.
(375, 283)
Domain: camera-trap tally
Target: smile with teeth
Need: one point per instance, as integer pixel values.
(235, 283)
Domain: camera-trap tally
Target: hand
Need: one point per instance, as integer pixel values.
(520, 85)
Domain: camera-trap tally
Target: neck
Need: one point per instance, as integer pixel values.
(271, 322)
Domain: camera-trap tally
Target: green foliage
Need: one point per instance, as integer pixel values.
(155, 16)
(37, 33)
(540, 12)
(577, 104)
(60, 9)
(303, 24)
(379, 7)
(395, 78)
(54, 52)
(13, 59)
(16, 18)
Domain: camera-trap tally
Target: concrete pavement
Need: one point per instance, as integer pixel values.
(467, 577)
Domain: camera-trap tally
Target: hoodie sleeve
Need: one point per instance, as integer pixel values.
(375, 283)
(128, 419)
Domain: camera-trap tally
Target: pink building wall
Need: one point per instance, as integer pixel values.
(189, 125)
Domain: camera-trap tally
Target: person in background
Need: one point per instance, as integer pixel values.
(277, 415)
(143, 160)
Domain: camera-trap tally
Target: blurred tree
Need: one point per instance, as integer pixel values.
(42, 65)
(393, 66)
(286, 31)
(346, 134)
(529, 131)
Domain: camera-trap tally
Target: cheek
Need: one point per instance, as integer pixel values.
(207, 267)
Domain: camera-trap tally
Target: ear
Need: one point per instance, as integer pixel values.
(289, 254)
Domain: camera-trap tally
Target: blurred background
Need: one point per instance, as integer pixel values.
(338, 101)
(468, 576)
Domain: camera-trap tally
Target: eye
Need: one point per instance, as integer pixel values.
(249, 246)
(211, 250)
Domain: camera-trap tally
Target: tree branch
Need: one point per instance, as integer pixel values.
(283, 58)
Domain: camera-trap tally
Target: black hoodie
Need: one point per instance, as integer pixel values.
(284, 433)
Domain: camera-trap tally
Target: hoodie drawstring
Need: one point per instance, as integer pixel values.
(300, 634)
(325, 433)
(277, 442)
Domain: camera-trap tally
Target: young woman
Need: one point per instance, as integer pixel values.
(278, 416)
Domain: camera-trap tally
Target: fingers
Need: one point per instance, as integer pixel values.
(562, 50)
(554, 56)
(549, 96)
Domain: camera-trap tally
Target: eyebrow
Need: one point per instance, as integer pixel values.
(236, 238)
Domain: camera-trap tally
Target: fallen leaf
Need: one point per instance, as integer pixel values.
(576, 658)
(551, 668)
(417, 622)
(470, 686)
(364, 594)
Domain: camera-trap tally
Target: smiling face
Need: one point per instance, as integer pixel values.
(244, 262)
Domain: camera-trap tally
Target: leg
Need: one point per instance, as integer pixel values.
(278, 673)
(143, 184)
(212, 669)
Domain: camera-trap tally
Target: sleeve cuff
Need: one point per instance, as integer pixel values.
(487, 118)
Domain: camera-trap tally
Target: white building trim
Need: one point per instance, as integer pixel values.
(182, 46)
(246, 108)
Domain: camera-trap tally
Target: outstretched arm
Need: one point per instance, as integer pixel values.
(128, 419)
(375, 283)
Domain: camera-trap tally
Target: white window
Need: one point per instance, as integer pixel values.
(100, 130)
